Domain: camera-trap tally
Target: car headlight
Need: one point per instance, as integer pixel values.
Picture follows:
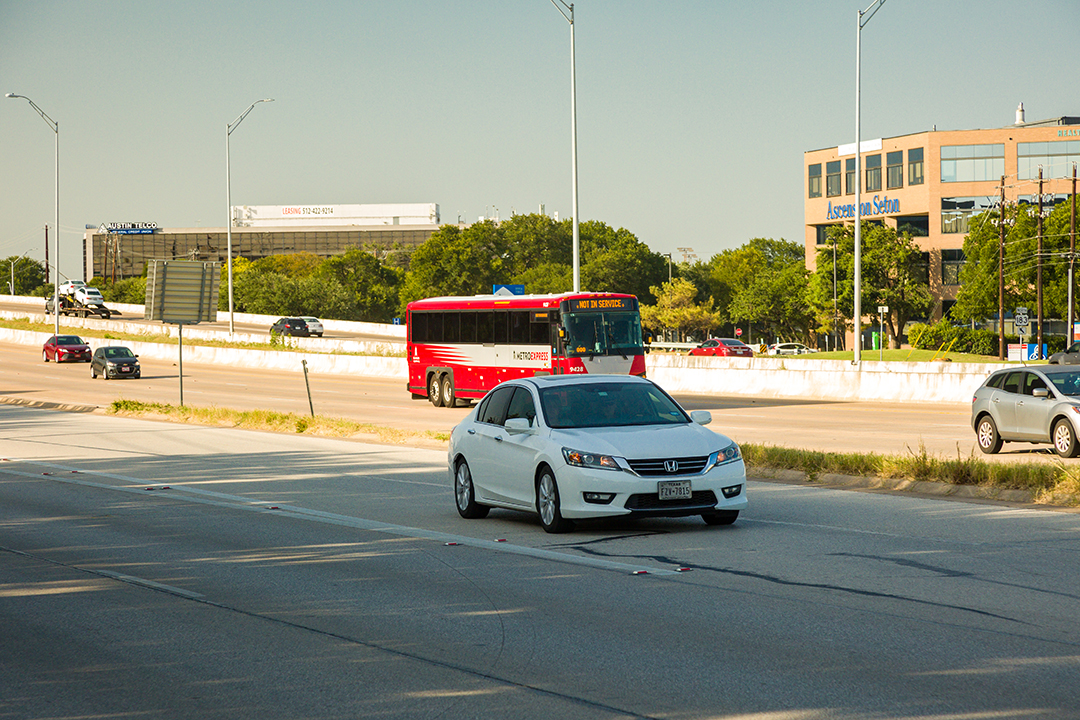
(589, 460)
(724, 456)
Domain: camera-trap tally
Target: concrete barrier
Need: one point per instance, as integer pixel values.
(762, 377)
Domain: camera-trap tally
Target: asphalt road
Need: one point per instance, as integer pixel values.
(223, 326)
(897, 428)
(283, 576)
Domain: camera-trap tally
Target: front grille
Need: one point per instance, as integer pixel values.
(652, 501)
(656, 466)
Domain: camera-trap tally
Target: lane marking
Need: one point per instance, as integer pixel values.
(235, 502)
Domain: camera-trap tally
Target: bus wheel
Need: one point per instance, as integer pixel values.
(448, 397)
(434, 390)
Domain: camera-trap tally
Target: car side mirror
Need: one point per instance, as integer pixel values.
(517, 425)
(1040, 392)
(701, 417)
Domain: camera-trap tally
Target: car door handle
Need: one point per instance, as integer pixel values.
(498, 438)
(472, 432)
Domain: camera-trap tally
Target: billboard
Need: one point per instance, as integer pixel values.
(338, 215)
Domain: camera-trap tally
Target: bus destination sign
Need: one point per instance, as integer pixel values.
(599, 304)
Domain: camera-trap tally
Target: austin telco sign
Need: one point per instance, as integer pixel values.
(129, 228)
(878, 206)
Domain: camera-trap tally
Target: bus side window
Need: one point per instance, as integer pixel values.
(502, 320)
(485, 327)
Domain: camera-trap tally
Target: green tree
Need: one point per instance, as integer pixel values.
(457, 261)
(892, 275)
(371, 286)
(978, 295)
(777, 297)
(676, 309)
(29, 275)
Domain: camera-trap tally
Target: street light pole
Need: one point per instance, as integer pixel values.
(869, 13)
(56, 241)
(228, 200)
(573, 141)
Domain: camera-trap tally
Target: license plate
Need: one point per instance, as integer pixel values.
(125, 369)
(674, 490)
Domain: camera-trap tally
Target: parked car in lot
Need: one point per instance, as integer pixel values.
(570, 447)
(1031, 404)
(790, 348)
(115, 361)
(1068, 356)
(64, 348)
(314, 326)
(293, 326)
(725, 347)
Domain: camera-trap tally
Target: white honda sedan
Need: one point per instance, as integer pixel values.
(570, 447)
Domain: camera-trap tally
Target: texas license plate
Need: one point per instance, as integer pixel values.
(674, 490)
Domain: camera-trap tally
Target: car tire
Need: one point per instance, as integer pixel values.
(549, 504)
(986, 433)
(93, 372)
(44, 356)
(449, 398)
(138, 375)
(434, 390)
(720, 517)
(1065, 443)
(465, 494)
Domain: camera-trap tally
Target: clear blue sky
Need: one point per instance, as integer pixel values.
(692, 114)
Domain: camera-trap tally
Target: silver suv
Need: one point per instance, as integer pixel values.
(1030, 404)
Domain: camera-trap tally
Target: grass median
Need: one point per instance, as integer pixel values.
(1053, 483)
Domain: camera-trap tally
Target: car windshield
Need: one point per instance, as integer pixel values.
(609, 405)
(118, 352)
(733, 343)
(69, 340)
(603, 333)
(1066, 383)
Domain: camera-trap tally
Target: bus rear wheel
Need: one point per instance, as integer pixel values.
(449, 398)
(434, 390)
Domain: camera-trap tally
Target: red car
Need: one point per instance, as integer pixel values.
(65, 347)
(724, 347)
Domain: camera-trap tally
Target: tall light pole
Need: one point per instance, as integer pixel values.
(573, 140)
(228, 200)
(56, 240)
(869, 13)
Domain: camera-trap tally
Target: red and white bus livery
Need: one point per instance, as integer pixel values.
(461, 347)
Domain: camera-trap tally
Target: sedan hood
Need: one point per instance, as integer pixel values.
(644, 441)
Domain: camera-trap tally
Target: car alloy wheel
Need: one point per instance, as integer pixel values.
(1065, 443)
(549, 504)
(465, 494)
(987, 434)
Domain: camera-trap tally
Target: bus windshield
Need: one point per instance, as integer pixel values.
(602, 333)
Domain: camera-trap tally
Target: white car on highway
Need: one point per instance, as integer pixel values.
(89, 295)
(570, 447)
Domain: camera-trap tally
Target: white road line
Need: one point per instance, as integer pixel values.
(235, 502)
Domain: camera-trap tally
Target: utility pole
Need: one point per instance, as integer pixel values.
(1001, 273)
(47, 257)
(1038, 271)
(1072, 253)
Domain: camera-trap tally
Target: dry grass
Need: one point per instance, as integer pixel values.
(1050, 483)
(273, 421)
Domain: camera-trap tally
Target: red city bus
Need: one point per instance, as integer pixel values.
(461, 347)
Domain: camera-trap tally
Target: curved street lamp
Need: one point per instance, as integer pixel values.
(573, 140)
(869, 13)
(56, 240)
(228, 200)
